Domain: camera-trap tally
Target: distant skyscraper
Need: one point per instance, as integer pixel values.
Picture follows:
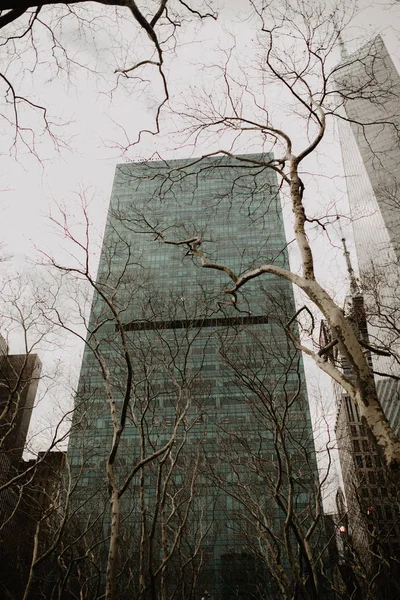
(369, 85)
(224, 384)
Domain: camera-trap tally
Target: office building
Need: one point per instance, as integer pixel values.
(19, 378)
(368, 86)
(369, 89)
(369, 528)
(217, 408)
(31, 511)
(23, 499)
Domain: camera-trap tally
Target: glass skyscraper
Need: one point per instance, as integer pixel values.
(216, 466)
(369, 86)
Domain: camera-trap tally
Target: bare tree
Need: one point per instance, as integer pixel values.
(128, 362)
(302, 71)
(30, 491)
(271, 478)
(137, 394)
(36, 33)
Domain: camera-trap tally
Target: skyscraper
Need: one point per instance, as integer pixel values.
(369, 88)
(372, 519)
(368, 540)
(216, 449)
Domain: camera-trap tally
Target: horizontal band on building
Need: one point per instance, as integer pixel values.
(196, 323)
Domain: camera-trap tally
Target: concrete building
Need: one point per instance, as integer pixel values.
(32, 506)
(370, 536)
(19, 378)
(29, 490)
(217, 381)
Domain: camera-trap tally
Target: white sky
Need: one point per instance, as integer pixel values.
(98, 120)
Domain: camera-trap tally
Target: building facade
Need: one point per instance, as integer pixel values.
(372, 538)
(368, 87)
(368, 523)
(29, 491)
(216, 445)
(31, 520)
(19, 378)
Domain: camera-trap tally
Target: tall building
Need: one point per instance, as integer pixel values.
(20, 511)
(19, 378)
(31, 520)
(216, 447)
(369, 88)
(369, 530)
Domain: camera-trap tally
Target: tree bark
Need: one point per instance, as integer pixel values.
(112, 563)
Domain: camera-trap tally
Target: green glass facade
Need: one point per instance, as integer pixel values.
(217, 450)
